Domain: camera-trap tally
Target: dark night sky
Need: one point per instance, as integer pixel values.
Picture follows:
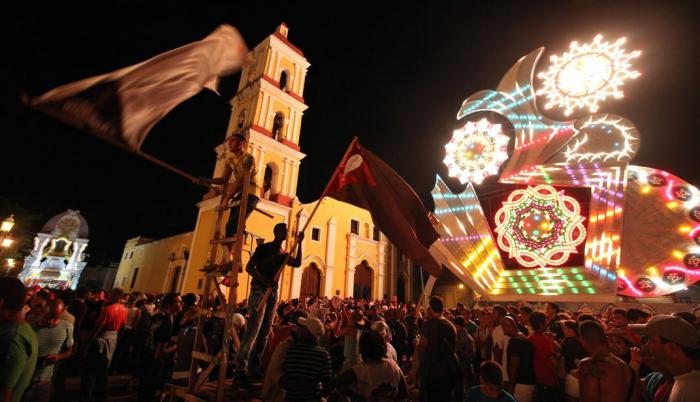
(394, 75)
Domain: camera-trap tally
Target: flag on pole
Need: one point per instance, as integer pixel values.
(123, 106)
(363, 179)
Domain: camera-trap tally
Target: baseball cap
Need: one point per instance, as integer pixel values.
(672, 328)
(313, 324)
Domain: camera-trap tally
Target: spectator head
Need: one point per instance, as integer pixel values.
(39, 300)
(467, 314)
(309, 330)
(67, 296)
(491, 379)
(82, 293)
(524, 316)
(460, 322)
(54, 309)
(116, 295)
(618, 341)
(593, 337)
(372, 346)
(570, 328)
(171, 303)
(552, 310)
(585, 317)
(189, 300)
(510, 328)
(459, 307)
(11, 296)
(499, 312)
(437, 305)
(538, 321)
(620, 317)
(382, 329)
(637, 316)
(672, 341)
(513, 310)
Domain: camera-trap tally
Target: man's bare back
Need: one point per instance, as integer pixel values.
(606, 378)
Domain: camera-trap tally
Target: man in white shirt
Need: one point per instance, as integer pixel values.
(675, 344)
(500, 340)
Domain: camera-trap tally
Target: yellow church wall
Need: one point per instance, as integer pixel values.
(155, 265)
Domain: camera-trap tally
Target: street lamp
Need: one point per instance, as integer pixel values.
(5, 227)
(461, 286)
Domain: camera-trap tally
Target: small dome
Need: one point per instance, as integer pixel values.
(69, 224)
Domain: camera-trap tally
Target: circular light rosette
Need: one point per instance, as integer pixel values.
(587, 74)
(476, 151)
(539, 226)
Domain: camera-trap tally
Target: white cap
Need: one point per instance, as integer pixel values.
(238, 320)
(313, 324)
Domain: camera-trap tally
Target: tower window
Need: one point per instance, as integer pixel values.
(241, 118)
(283, 80)
(316, 234)
(267, 182)
(354, 226)
(133, 278)
(375, 234)
(277, 125)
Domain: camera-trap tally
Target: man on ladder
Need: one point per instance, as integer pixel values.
(264, 267)
(237, 163)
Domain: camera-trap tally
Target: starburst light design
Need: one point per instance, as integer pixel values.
(587, 74)
(476, 151)
(540, 227)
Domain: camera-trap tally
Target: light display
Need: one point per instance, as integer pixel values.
(476, 151)
(587, 74)
(597, 135)
(660, 252)
(540, 227)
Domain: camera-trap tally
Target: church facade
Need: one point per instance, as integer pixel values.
(343, 253)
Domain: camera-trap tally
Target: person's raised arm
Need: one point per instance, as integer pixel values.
(296, 261)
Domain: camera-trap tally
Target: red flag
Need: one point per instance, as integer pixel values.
(124, 105)
(363, 179)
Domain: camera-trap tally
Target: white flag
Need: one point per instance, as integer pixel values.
(125, 104)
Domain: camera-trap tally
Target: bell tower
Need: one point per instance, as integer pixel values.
(269, 107)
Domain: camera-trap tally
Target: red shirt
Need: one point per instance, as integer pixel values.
(113, 317)
(543, 349)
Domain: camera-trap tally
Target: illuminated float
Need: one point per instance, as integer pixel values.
(640, 232)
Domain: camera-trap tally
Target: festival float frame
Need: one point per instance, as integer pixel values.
(591, 151)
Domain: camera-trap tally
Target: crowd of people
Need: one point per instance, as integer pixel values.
(345, 349)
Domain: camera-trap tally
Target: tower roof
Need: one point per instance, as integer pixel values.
(68, 224)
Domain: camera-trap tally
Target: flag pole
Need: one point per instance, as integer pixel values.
(263, 300)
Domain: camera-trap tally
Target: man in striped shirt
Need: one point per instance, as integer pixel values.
(307, 366)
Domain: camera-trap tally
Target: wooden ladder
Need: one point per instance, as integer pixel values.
(223, 252)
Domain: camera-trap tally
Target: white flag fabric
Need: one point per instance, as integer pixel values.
(125, 104)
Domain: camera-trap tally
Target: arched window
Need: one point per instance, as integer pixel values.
(284, 77)
(241, 118)
(267, 182)
(277, 125)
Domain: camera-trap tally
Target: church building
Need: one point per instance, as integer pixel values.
(343, 253)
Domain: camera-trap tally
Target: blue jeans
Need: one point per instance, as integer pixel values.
(232, 223)
(257, 331)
